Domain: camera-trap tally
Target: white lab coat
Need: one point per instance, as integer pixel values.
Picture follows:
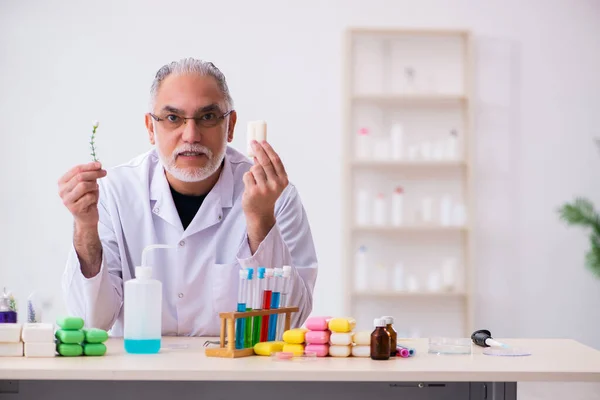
(200, 278)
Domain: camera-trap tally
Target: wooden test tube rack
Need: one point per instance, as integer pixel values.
(228, 328)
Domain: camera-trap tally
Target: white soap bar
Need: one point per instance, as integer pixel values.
(10, 333)
(340, 351)
(340, 339)
(38, 333)
(40, 349)
(362, 338)
(361, 351)
(11, 349)
(257, 130)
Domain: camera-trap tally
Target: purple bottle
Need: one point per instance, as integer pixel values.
(7, 314)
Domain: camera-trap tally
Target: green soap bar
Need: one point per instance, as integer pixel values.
(94, 349)
(95, 335)
(69, 350)
(69, 337)
(70, 323)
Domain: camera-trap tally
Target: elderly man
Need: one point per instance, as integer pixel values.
(223, 211)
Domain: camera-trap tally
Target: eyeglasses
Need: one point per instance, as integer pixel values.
(171, 122)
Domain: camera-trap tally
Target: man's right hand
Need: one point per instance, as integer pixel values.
(78, 190)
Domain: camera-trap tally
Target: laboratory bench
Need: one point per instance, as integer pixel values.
(182, 371)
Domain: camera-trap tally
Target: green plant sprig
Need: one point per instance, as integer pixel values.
(92, 141)
(582, 213)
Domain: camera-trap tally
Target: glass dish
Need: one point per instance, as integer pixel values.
(444, 345)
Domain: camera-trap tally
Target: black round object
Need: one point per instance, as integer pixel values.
(479, 337)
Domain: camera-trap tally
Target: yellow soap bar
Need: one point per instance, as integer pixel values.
(294, 336)
(342, 325)
(268, 348)
(296, 349)
(362, 338)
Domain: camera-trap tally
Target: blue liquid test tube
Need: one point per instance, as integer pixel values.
(240, 323)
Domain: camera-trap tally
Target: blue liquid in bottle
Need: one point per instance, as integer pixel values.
(240, 327)
(273, 318)
(142, 346)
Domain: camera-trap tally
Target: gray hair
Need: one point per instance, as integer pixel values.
(190, 66)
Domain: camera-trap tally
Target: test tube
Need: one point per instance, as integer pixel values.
(259, 287)
(275, 298)
(266, 305)
(249, 306)
(283, 301)
(241, 307)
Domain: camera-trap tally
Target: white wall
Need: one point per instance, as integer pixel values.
(64, 64)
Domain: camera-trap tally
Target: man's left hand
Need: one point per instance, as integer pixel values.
(264, 183)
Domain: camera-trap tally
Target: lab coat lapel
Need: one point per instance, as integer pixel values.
(160, 194)
(220, 197)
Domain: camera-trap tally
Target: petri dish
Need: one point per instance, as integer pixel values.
(506, 351)
(289, 356)
(450, 346)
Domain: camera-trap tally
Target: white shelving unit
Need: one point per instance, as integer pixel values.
(408, 100)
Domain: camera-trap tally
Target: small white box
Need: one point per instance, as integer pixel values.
(38, 333)
(40, 349)
(11, 349)
(10, 333)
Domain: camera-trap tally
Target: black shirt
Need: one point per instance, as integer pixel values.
(187, 206)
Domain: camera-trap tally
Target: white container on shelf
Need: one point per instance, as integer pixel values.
(452, 145)
(379, 214)
(397, 206)
(446, 210)
(364, 144)
(437, 151)
(379, 278)
(459, 215)
(398, 278)
(449, 274)
(434, 281)
(363, 207)
(412, 283)
(397, 141)
(427, 210)
(426, 150)
(413, 152)
(361, 277)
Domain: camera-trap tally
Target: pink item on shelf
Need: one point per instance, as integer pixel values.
(317, 337)
(322, 350)
(402, 352)
(317, 323)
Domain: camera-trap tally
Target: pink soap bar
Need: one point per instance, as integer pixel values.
(317, 323)
(322, 350)
(317, 337)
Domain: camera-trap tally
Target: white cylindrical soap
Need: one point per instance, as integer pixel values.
(362, 338)
(257, 130)
(361, 351)
(340, 351)
(340, 339)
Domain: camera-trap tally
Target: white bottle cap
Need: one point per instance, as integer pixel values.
(269, 272)
(143, 272)
(388, 320)
(379, 322)
(287, 271)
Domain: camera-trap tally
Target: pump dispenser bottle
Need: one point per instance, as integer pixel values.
(142, 304)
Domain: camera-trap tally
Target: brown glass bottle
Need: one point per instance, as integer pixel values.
(380, 341)
(389, 321)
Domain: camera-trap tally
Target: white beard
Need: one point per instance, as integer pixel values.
(192, 174)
